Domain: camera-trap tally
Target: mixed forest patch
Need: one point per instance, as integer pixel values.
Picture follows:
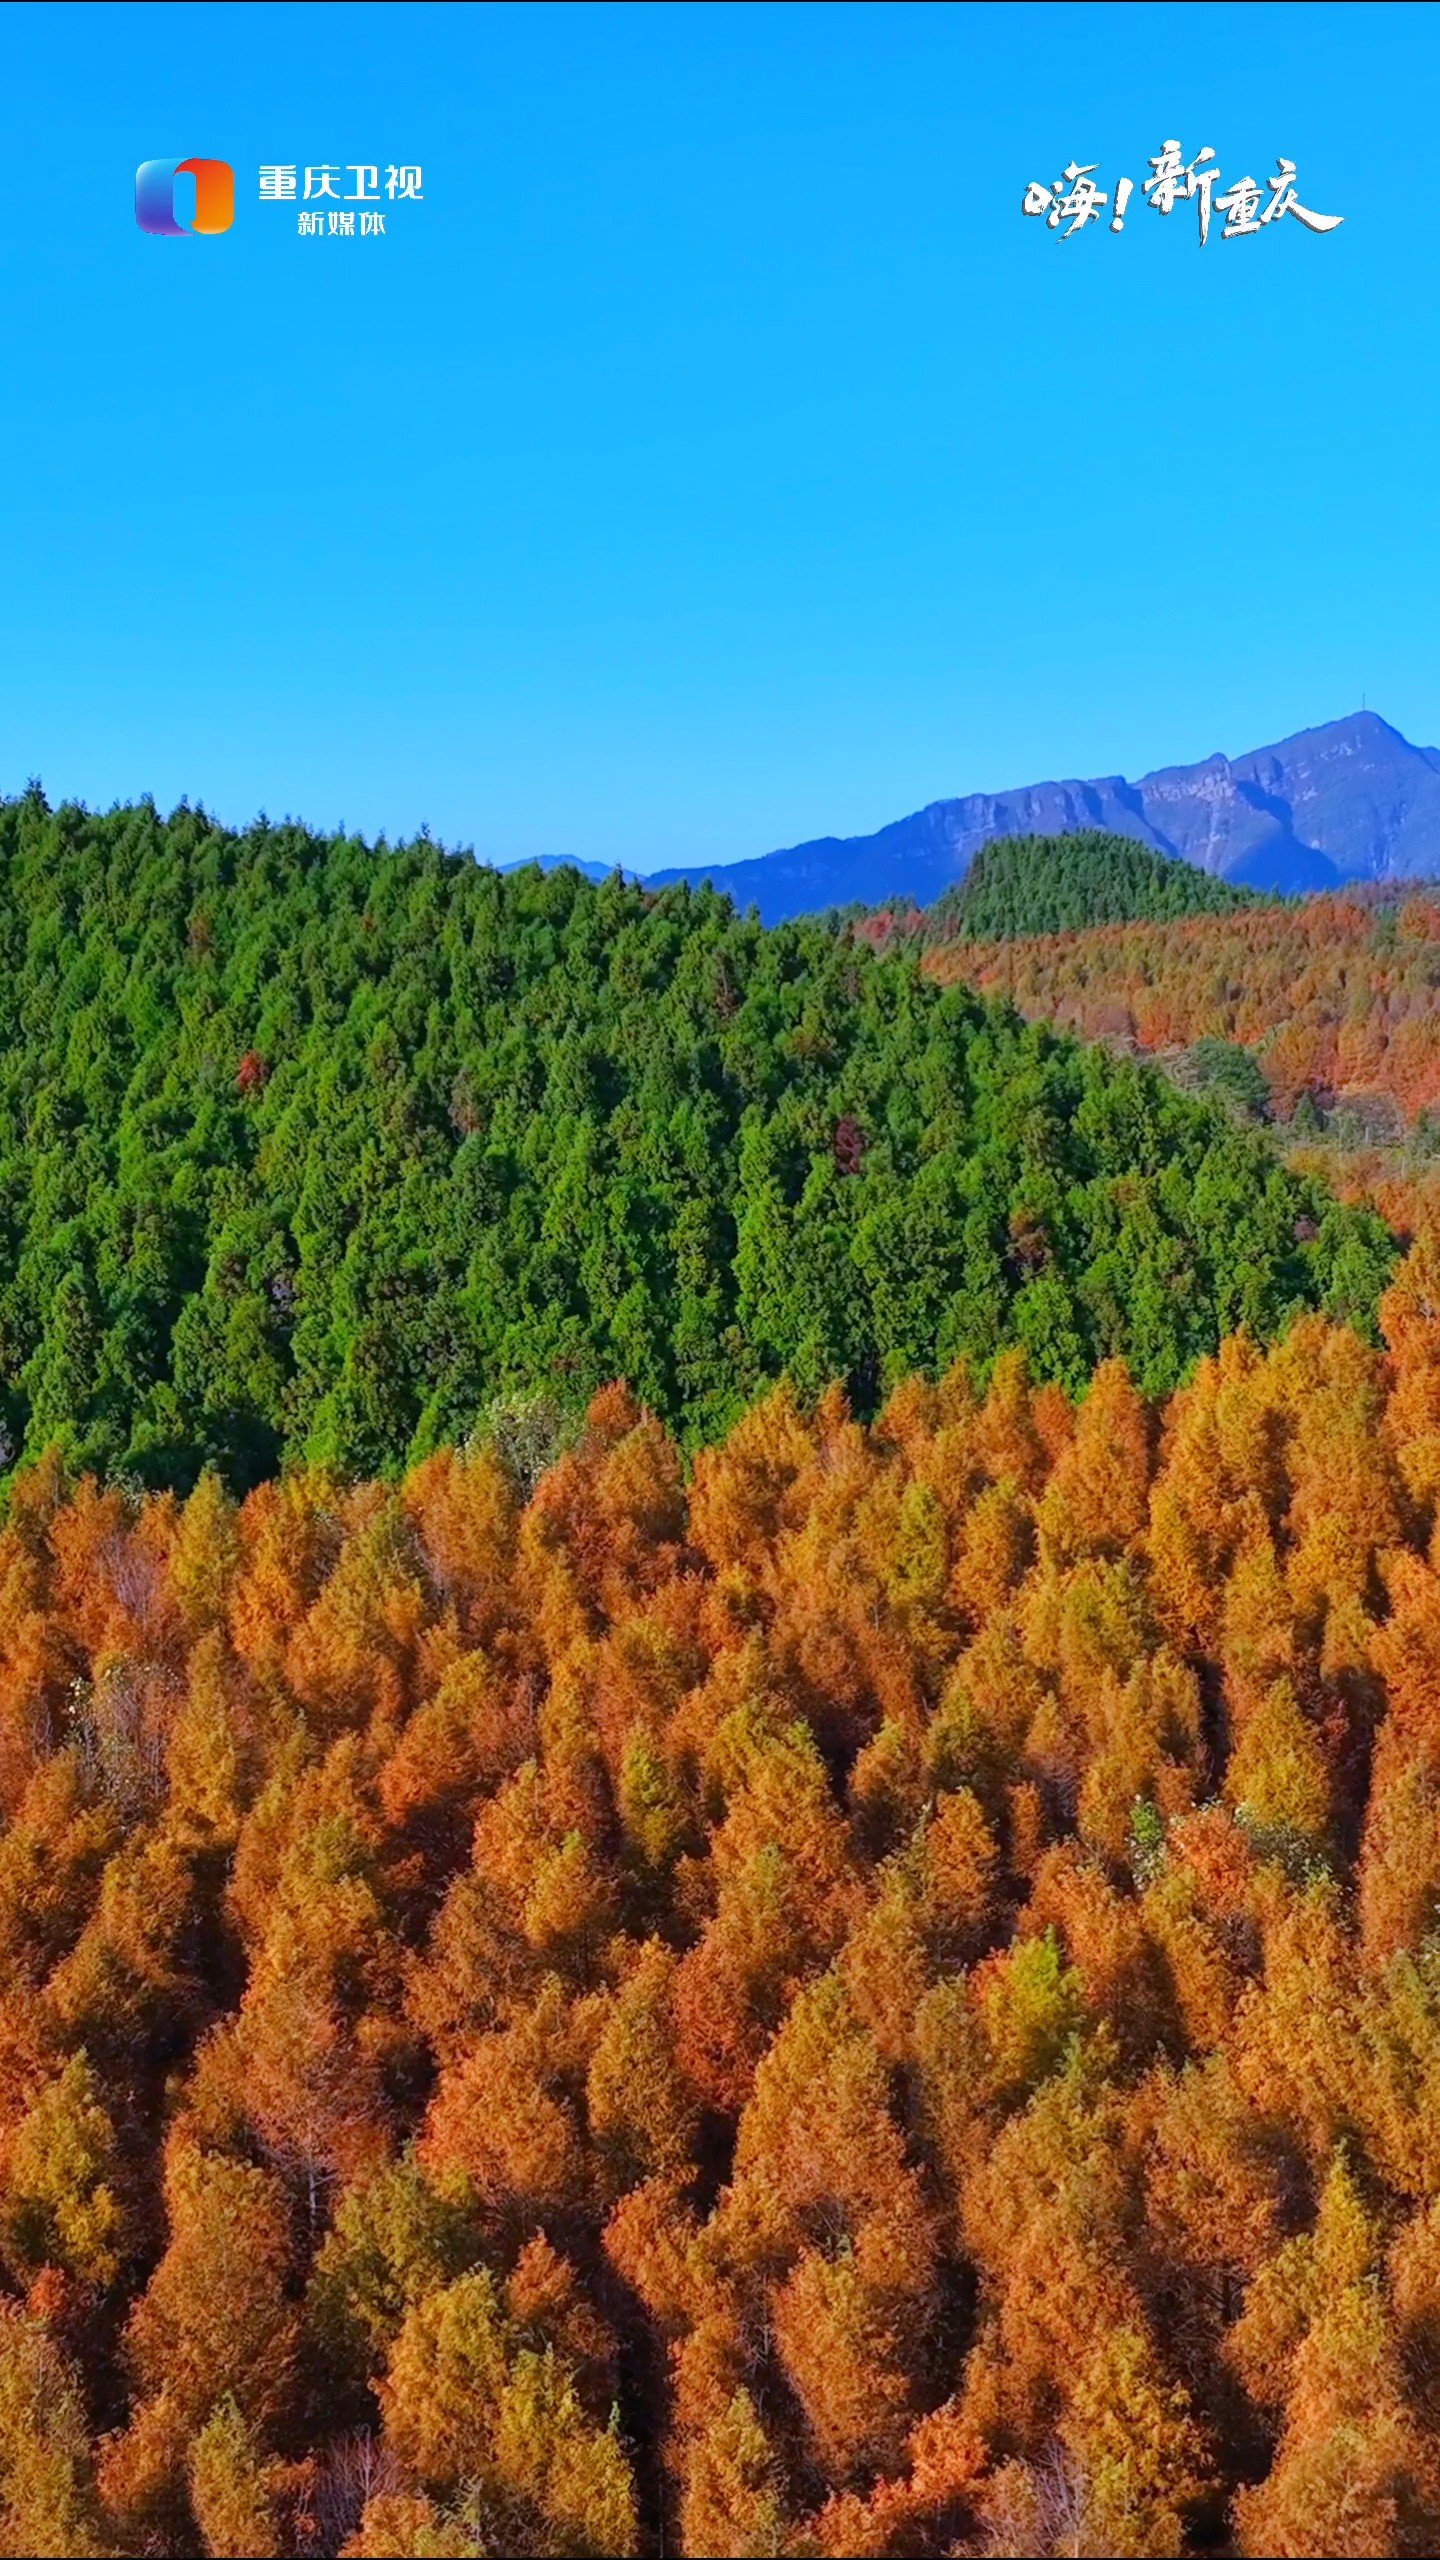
(887, 2002)
(1317, 1017)
(1336, 999)
(311, 1149)
(836, 1950)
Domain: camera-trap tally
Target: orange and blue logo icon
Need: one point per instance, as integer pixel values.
(155, 196)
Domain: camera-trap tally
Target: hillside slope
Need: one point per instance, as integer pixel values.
(1334, 997)
(310, 1150)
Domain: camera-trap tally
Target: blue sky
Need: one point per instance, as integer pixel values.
(716, 457)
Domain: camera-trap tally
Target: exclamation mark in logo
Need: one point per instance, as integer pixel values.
(1123, 193)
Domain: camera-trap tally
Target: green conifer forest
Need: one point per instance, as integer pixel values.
(310, 1149)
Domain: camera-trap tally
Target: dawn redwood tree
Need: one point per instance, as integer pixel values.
(844, 1999)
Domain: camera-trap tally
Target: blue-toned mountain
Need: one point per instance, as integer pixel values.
(1350, 800)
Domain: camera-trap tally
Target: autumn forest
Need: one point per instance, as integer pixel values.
(1332, 1003)
(719, 1737)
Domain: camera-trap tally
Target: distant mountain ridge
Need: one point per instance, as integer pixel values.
(1351, 800)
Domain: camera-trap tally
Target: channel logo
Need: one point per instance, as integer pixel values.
(155, 196)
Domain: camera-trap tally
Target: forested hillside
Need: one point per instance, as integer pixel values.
(889, 2003)
(834, 1949)
(1057, 884)
(1337, 998)
(310, 1150)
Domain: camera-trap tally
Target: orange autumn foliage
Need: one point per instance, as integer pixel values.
(884, 2000)
(1333, 998)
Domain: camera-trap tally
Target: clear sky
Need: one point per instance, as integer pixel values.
(715, 457)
